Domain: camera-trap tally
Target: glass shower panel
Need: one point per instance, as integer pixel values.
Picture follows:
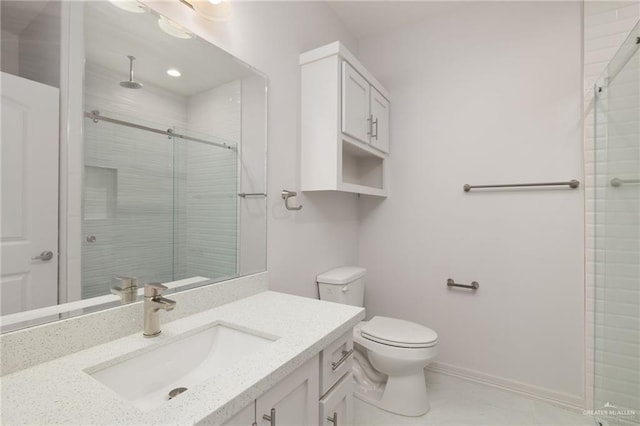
(617, 331)
(206, 206)
(128, 216)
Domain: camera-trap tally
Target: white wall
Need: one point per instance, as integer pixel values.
(270, 36)
(10, 55)
(40, 47)
(484, 93)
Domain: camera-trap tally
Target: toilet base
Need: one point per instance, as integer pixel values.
(404, 395)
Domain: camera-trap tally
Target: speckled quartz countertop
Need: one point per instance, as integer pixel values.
(61, 392)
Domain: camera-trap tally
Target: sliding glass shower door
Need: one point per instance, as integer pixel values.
(617, 320)
(158, 206)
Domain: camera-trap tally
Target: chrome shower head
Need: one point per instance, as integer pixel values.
(131, 84)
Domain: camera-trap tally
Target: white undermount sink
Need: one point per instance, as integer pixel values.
(146, 379)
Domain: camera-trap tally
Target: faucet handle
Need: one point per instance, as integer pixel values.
(154, 289)
(127, 282)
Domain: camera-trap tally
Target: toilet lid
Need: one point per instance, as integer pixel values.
(396, 332)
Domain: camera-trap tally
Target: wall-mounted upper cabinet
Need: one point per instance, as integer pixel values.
(345, 124)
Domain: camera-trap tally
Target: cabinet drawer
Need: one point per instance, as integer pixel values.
(335, 361)
(336, 408)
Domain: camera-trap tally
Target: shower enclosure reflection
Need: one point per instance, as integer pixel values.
(162, 153)
(157, 207)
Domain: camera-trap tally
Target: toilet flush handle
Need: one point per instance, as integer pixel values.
(345, 289)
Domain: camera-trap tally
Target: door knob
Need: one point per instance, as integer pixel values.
(45, 255)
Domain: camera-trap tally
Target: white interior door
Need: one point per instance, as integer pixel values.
(380, 126)
(355, 104)
(30, 114)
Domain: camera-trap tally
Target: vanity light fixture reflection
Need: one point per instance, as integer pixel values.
(213, 10)
(129, 5)
(174, 72)
(173, 29)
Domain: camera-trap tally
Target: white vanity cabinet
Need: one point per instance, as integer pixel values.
(336, 382)
(292, 402)
(344, 124)
(336, 407)
(320, 392)
(246, 417)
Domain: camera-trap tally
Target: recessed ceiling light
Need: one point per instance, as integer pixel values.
(173, 29)
(174, 72)
(128, 5)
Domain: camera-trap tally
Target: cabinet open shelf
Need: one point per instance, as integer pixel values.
(362, 169)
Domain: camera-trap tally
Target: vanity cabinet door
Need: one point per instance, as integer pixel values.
(336, 408)
(246, 417)
(355, 104)
(294, 401)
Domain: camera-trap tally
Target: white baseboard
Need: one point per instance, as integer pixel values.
(562, 399)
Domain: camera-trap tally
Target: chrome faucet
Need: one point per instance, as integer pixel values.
(128, 289)
(153, 302)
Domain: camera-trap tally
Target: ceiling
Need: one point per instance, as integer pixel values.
(17, 15)
(371, 18)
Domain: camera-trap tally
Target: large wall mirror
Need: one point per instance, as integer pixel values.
(133, 151)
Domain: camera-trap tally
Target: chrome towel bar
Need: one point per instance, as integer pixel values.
(252, 194)
(573, 184)
(474, 284)
(616, 182)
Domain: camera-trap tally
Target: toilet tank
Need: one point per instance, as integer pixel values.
(342, 285)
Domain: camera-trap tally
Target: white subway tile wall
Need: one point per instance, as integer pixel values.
(212, 177)
(612, 271)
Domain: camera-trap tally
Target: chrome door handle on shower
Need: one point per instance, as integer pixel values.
(45, 255)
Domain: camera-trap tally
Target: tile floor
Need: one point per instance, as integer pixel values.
(459, 402)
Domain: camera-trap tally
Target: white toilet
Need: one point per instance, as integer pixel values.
(391, 353)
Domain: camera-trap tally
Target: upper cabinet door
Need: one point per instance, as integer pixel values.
(355, 104)
(380, 123)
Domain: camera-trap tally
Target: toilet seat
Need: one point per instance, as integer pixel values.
(398, 333)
